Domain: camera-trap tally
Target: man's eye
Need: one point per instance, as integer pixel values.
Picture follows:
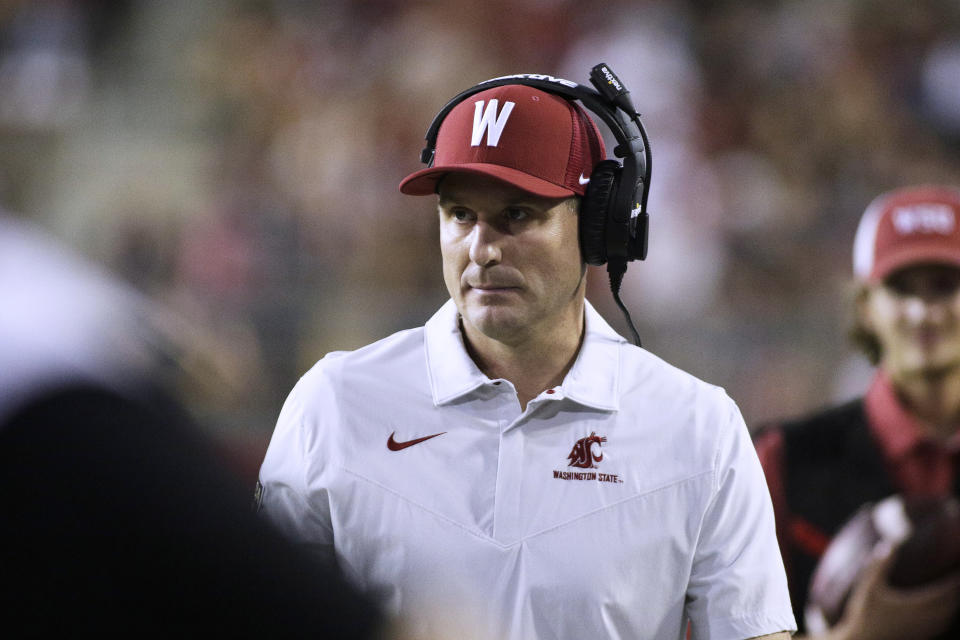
(945, 285)
(928, 284)
(515, 214)
(461, 215)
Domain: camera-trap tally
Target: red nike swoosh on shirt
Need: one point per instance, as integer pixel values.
(393, 445)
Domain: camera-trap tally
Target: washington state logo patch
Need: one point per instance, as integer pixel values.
(586, 453)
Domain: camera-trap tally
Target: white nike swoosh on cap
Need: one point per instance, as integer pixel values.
(583, 180)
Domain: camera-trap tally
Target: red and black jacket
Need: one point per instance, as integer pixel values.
(821, 469)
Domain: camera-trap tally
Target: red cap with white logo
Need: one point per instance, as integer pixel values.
(534, 140)
(905, 227)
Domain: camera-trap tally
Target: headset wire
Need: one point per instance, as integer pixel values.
(616, 268)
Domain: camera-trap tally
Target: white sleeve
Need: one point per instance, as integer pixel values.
(738, 586)
(291, 497)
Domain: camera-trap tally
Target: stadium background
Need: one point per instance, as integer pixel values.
(238, 163)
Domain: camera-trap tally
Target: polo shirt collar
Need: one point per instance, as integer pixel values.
(452, 371)
(897, 431)
(593, 380)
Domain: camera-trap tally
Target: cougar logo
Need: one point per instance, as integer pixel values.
(487, 120)
(582, 455)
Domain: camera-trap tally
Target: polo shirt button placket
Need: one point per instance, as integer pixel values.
(507, 520)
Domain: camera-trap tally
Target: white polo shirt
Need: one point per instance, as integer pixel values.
(618, 505)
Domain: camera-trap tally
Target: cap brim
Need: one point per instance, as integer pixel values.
(913, 256)
(424, 182)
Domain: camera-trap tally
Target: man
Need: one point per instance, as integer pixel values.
(514, 468)
(903, 436)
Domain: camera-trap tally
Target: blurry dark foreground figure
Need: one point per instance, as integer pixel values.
(116, 517)
(865, 493)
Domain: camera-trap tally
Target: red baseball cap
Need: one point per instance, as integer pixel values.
(908, 226)
(534, 140)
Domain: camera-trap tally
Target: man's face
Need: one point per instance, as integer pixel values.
(915, 314)
(511, 260)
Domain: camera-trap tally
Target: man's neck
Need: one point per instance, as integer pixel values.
(934, 398)
(531, 365)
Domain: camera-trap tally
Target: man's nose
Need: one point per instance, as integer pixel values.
(920, 308)
(485, 244)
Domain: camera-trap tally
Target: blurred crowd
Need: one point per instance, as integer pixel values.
(238, 161)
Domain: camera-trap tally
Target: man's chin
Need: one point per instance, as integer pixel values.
(497, 323)
(934, 368)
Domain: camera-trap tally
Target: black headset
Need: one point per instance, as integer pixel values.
(613, 211)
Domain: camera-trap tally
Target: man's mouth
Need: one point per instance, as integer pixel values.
(928, 337)
(493, 289)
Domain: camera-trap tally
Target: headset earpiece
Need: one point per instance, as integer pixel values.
(595, 211)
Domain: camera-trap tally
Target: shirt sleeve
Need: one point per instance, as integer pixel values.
(738, 587)
(292, 495)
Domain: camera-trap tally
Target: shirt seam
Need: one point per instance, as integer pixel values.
(536, 534)
(425, 508)
(430, 376)
(307, 471)
(648, 492)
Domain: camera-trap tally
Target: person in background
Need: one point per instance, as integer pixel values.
(901, 438)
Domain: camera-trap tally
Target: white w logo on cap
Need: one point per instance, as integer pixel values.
(488, 120)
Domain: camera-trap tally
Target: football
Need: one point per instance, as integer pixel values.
(933, 548)
(923, 534)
